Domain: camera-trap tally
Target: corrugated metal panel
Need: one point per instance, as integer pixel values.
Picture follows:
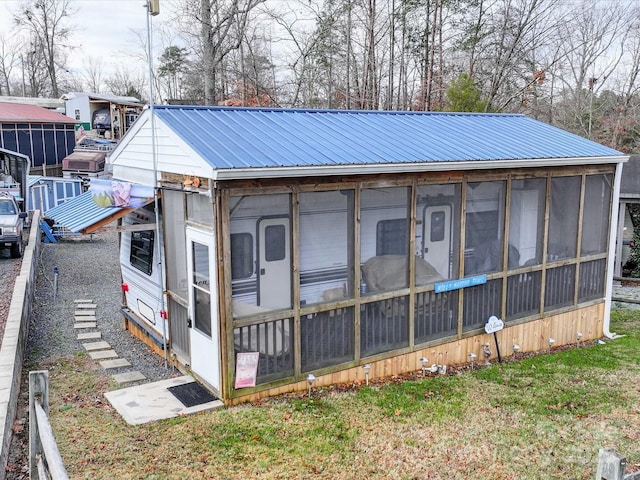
(19, 112)
(229, 138)
(81, 212)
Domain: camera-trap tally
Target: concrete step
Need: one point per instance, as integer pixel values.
(89, 336)
(83, 300)
(84, 313)
(115, 363)
(128, 377)
(93, 346)
(81, 325)
(103, 354)
(85, 318)
(85, 306)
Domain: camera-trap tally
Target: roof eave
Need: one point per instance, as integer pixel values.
(377, 168)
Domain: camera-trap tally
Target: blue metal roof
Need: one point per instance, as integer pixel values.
(230, 138)
(81, 212)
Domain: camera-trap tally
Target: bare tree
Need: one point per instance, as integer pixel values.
(92, 75)
(9, 61)
(45, 20)
(593, 48)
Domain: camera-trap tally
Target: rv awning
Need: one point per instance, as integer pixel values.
(82, 215)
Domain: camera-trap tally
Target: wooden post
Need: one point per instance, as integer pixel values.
(38, 391)
(41, 440)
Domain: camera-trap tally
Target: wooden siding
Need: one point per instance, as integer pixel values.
(531, 336)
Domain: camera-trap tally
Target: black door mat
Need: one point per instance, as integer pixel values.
(191, 394)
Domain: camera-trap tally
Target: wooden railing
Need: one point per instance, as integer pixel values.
(612, 466)
(45, 461)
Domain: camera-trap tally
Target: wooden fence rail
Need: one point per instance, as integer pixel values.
(612, 465)
(45, 461)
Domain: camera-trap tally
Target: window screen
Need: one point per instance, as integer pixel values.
(141, 256)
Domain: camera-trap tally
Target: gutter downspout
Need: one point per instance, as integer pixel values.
(613, 230)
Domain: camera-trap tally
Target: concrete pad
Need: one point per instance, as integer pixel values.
(84, 313)
(128, 377)
(83, 300)
(85, 325)
(93, 346)
(103, 354)
(115, 363)
(89, 336)
(152, 401)
(85, 318)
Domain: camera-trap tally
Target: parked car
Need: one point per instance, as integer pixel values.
(11, 225)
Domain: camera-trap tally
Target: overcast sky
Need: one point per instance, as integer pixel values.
(103, 28)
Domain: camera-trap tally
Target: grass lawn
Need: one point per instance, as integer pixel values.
(542, 417)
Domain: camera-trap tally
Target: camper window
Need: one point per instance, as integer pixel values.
(141, 256)
(241, 255)
(391, 237)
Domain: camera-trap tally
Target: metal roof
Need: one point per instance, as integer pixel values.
(239, 138)
(81, 212)
(22, 113)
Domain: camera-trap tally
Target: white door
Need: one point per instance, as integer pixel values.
(203, 312)
(437, 238)
(274, 263)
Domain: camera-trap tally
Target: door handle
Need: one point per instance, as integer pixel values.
(262, 272)
(189, 323)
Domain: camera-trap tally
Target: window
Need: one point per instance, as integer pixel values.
(526, 222)
(326, 246)
(563, 218)
(437, 233)
(241, 255)
(275, 245)
(391, 237)
(484, 224)
(141, 256)
(201, 286)
(595, 222)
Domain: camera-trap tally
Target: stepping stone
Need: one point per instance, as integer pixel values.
(103, 354)
(84, 312)
(89, 336)
(81, 306)
(128, 377)
(85, 325)
(116, 363)
(83, 300)
(90, 347)
(85, 318)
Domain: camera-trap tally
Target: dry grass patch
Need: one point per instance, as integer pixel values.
(542, 417)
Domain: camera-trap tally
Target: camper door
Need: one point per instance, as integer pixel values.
(205, 344)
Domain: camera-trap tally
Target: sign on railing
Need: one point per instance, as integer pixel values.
(44, 458)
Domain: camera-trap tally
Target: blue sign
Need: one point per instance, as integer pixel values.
(460, 283)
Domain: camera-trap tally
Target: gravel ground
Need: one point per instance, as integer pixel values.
(88, 269)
